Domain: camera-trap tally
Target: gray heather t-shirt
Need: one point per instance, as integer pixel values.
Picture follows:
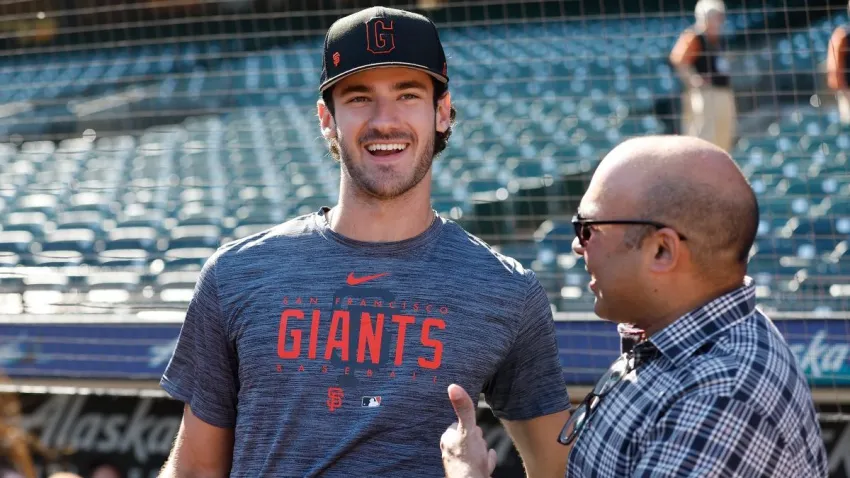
(332, 357)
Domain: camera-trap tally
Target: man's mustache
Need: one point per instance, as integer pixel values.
(374, 135)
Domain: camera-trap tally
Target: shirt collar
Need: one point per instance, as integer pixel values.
(682, 338)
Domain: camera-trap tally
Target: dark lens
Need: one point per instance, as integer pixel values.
(577, 226)
(573, 425)
(608, 382)
(583, 232)
(612, 376)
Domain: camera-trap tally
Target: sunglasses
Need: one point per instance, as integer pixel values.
(584, 412)
(583, 230)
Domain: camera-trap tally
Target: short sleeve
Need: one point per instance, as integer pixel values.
(202, 369)
(711, 436)
(530, 382)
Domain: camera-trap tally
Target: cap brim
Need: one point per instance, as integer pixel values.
(332, 81)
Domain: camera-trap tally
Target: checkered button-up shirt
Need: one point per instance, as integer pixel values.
(717, 393)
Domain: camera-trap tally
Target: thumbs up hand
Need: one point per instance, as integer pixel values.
(465, 453)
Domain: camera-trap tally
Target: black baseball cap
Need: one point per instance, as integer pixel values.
(381, 37)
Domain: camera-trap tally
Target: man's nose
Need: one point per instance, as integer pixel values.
(386, 114)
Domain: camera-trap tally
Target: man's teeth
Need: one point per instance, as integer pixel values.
(386, 147)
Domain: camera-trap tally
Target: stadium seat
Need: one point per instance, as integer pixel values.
(17, 243)
(92, 220)
(130, 246)
(113, 287)
(91, 202)
(45, 292)
(66, 247)
(37, 203)
(176, 286)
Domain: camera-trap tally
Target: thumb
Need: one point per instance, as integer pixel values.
(464, 408)
(492, 461)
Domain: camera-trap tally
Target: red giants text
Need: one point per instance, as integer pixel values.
(291, 338)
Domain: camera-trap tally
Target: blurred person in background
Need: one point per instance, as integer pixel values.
(105, 469)
(837, 73)
(708, 101)
(324, 346)
(7, 471)
(712, 390)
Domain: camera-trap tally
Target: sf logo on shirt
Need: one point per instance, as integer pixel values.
(335, 396)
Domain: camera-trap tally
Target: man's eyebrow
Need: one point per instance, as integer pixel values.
(410, 84)
(355, 89)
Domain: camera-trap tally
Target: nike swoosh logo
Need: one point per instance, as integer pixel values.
(351, 280)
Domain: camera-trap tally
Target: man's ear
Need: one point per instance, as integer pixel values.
(444, 107)
(666, 249)
(326, 120)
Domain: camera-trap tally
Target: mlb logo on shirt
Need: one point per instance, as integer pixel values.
(371, 402)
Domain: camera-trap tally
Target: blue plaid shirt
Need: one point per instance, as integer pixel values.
(717, 393)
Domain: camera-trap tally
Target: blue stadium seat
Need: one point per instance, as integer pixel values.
(32, 222)
(91, 202)
(130, 247)
(176, 286)
(92, 220)
(46, 292)
(18, 243)
(113, 287)
(67, 247)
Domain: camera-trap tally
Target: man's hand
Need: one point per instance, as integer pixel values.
(465, 453)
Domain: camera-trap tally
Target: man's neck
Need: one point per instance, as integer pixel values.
(688, 303)
(367, 219)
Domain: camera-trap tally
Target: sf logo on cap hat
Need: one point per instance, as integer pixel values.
(379, 36)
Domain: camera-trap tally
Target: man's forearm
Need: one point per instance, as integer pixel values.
(170, 472)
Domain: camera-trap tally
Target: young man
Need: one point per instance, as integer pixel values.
(665, 228)
(326, 344)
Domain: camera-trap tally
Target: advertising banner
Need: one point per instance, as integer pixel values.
(141, 351)
(136, 433)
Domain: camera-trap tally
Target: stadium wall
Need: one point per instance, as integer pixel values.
(136, 432)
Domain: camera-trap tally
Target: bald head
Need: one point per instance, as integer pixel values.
(692, 186)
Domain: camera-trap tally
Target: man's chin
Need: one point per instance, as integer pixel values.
(384, 190)
(599, 309)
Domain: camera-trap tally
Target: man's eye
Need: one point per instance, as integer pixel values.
(358, 99)
(409, 96)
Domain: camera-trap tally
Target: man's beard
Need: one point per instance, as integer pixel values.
(384, 182)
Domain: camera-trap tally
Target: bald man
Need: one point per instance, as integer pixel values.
(712, 389)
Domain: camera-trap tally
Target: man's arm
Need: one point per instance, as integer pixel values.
(200, 450)
(682, 58)
(835, 60)
(202, 373)
(537, 444)
(528, 393)
(714, 437)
